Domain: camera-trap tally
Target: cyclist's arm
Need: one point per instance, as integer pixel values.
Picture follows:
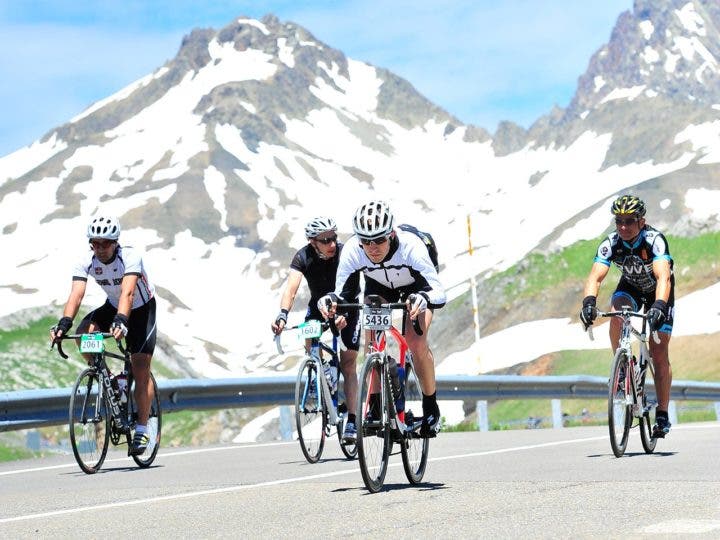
(127, 293)
(77, 293)
(292, 285)
(661, 270)
(597, 274)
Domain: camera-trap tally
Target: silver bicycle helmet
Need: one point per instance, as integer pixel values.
(104, 227)
(318, 226)
(373, 220)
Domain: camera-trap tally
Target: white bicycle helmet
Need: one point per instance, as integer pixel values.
(104, 227)
(373, 220)
(318, 226)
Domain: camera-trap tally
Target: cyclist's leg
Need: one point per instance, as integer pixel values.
(663, 370)
(350, 336)
(425, 368)
(142, 333)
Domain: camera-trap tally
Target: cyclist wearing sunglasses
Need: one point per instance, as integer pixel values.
(129, 310)
(643, 256)
(395, 264)
(318, 263)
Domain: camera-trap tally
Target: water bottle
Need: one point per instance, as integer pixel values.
(331, 373)
(122, 386)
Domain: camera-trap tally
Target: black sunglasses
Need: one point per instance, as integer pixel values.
(377, 241)
(625, 222)
(328, 240)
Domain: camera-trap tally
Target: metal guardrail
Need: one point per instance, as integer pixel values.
(37, 408)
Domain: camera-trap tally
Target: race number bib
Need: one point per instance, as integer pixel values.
(376, 318)
(92, 343)
(310, 329)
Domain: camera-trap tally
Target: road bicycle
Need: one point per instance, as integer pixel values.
(317, 411)
(389, 399)
(627, 396)
(102, 406)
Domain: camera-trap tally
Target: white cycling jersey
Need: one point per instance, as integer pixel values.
(127, 261)
(407, 268)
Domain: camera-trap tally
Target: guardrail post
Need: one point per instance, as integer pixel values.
(481, 408)
(717, 410)
(557, 416)
(672, 412)
(286, 421)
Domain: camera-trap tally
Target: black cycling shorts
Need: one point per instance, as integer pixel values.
(638, 299)
(142, 330)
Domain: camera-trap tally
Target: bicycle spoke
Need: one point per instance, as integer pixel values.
(89, 422)
(373, 433)
(309, 417)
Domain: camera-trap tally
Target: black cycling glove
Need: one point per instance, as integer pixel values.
(64, 325)
(588, 313)
(120, 321)
(657, 314)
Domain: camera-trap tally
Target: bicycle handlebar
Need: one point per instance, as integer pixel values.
(624, 314)
(324, 325)
(388, 305)
(58, 341)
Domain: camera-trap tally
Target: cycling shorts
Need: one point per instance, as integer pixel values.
(626, 293)
(142, 330)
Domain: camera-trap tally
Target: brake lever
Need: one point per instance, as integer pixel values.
(278, 344)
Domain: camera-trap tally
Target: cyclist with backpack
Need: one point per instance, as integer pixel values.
(397, 266)
(317, 262)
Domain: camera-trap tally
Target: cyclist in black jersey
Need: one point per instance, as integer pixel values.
(318, 263)
(396, 265)
(129, 310)
(643, 256)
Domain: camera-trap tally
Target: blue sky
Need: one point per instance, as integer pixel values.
(482, 60)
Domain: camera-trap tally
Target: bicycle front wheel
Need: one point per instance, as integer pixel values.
(154, 425)
(373, 437)
(648, 441)
(619, 411)
(89, 422)
(309, 413)
(414, 450)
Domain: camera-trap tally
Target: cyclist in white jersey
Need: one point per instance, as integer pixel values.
(395, 264)
(129, 310)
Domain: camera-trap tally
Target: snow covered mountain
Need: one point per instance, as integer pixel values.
(215, 161)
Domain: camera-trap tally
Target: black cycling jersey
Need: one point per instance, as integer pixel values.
(635, 260)
(319, 273)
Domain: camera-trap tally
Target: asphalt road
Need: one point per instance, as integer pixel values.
(526, 483)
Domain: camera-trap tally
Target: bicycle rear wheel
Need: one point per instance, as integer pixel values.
(648, 441)
(414, 450)
(619, 412)
(310, 416)
(89, 422)
(373, 437)
(154, 425)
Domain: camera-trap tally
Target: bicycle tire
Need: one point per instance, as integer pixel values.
(619, 412)
(154, 425)
(414, 450)
(373, 437)
(349, 449)
(648, 441)
(89, 422)
(310, 417)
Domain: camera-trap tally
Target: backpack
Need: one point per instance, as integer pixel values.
(427, 240)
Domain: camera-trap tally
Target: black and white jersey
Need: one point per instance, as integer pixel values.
(126, 261)
(407, 268)
(635, 261)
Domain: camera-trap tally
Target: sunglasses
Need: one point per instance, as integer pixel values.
(97, 244)
(625, 222)
(328, 240)
(377, 241)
